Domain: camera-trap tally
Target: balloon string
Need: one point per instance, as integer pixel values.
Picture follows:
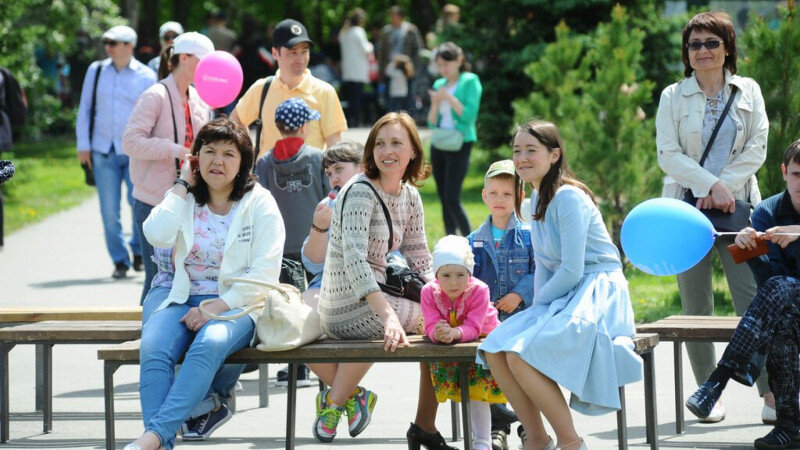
(734, 233)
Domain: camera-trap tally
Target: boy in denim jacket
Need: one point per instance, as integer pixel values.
(504, 261)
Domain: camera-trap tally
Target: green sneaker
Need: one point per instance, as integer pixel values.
(326, 423)
(359, 410)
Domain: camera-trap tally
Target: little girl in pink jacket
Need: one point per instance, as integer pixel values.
(456, 308)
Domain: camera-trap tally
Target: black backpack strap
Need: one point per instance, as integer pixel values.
(259, 123)
(174, 129)
(383, 205)
(93, 109)
(719, 124)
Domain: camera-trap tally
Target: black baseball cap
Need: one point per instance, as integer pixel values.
(289, 33)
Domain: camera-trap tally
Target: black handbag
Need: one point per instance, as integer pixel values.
(401, 281)
(722, 221)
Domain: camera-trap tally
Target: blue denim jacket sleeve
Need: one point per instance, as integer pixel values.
(524, 286)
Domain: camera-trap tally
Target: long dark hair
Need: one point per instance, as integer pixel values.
(559, 174)
(223, 129)
(167, 62)
(418, 168)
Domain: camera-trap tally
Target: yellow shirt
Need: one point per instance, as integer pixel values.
(319, 95)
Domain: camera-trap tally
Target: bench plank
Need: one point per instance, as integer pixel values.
(17, 314)
(692, 328)
(72, 331)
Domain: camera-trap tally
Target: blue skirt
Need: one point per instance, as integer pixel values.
(582, 341)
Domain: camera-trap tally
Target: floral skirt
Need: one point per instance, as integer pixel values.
(482, 386)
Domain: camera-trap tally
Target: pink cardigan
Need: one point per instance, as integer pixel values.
(149, 138)
(477, 315)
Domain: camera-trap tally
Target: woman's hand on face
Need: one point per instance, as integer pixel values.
(194, 319)
(393, 333)
(190, 170)
(722, 197)
(747, 239)
(323, 214)
(774, 235)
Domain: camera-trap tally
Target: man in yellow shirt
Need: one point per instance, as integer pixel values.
(291, 49)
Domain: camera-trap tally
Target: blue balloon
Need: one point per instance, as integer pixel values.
(666, 236)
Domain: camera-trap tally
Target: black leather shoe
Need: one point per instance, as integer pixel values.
(704, 398)
(120, 271)
(779, 438)
(417, 437)
(137, 263)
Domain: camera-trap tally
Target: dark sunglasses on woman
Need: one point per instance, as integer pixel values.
(709, 44)
(111, 43)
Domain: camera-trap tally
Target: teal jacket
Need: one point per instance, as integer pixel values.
(468, 92)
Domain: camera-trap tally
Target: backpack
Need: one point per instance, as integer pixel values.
(15, 105)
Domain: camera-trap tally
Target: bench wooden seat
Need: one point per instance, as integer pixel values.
(25, 314)
(680, 329)
(46, 335)
(420, 350)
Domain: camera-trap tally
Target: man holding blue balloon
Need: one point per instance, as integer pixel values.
(769, 331)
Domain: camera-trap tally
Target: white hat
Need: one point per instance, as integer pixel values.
(175, 27)
(121, 33)
(453, 249)
(193, 43)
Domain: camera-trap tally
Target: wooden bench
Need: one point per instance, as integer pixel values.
(420, 350)
(680, 329)
(46, 335)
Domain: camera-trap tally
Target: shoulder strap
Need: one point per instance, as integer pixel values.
(383, 205)
(259, 123)
(719, 124)
(174, 129)
(93, 109)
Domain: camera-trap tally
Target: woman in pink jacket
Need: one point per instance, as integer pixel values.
(161, 131)
(456, 308)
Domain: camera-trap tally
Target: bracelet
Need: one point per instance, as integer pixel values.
(181, 181)
(318, 229)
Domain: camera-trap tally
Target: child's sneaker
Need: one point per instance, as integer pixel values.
(327, 421)
(359, 410)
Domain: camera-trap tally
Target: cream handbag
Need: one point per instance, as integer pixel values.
(286, 322)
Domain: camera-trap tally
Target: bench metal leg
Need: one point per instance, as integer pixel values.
(622, 426)
(650, 410)
(47, 386)
(678, 357)
(291, 406)
(39, 352)
(108, 393)
(263, 385)
(463, 373)
(4, 411)
(454, 420)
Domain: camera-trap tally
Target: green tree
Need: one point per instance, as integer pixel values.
(772, 57)
(593, 87)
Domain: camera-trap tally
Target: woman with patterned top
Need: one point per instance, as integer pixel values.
(219, 225)
(351, 304)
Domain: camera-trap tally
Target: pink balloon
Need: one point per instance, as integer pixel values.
(218, 78)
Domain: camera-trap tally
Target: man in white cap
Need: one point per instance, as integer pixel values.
(110, 90)
(166, 34)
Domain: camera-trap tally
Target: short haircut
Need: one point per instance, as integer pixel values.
(342, 152)
(223, 129)
(397, 10)
(792, 153)
(418, 168)
(717, 23)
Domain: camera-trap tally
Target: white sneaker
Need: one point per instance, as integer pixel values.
(717, 414)
(768, 415)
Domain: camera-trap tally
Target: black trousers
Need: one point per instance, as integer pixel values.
(449, 171)
(769, 332)
(353, 92)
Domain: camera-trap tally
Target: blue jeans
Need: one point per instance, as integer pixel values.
(140, 212)
(168, 399)
(110, 171)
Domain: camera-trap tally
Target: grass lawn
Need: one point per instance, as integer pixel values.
(48, 179)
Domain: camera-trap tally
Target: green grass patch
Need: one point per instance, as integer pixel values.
(48, 179)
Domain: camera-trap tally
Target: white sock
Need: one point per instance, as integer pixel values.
(480, 418)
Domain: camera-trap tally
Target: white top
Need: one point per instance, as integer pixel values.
(398, 83)
(355, 51)
(446, 112)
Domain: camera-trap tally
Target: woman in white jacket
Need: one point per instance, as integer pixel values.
(219, 224)
(687, 114)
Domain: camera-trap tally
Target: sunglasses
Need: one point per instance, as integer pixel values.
(709, 44)
(169, 37)
(111, 43)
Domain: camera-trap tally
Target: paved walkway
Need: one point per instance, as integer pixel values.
(62, 261)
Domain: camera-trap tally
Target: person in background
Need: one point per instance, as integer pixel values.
(398, 71)
(399, 37)
(167, 33)
(688, 112)
(223, 37)
(356, 50)
(252, 51)
(110, 91)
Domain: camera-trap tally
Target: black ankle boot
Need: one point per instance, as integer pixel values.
(416, 436)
